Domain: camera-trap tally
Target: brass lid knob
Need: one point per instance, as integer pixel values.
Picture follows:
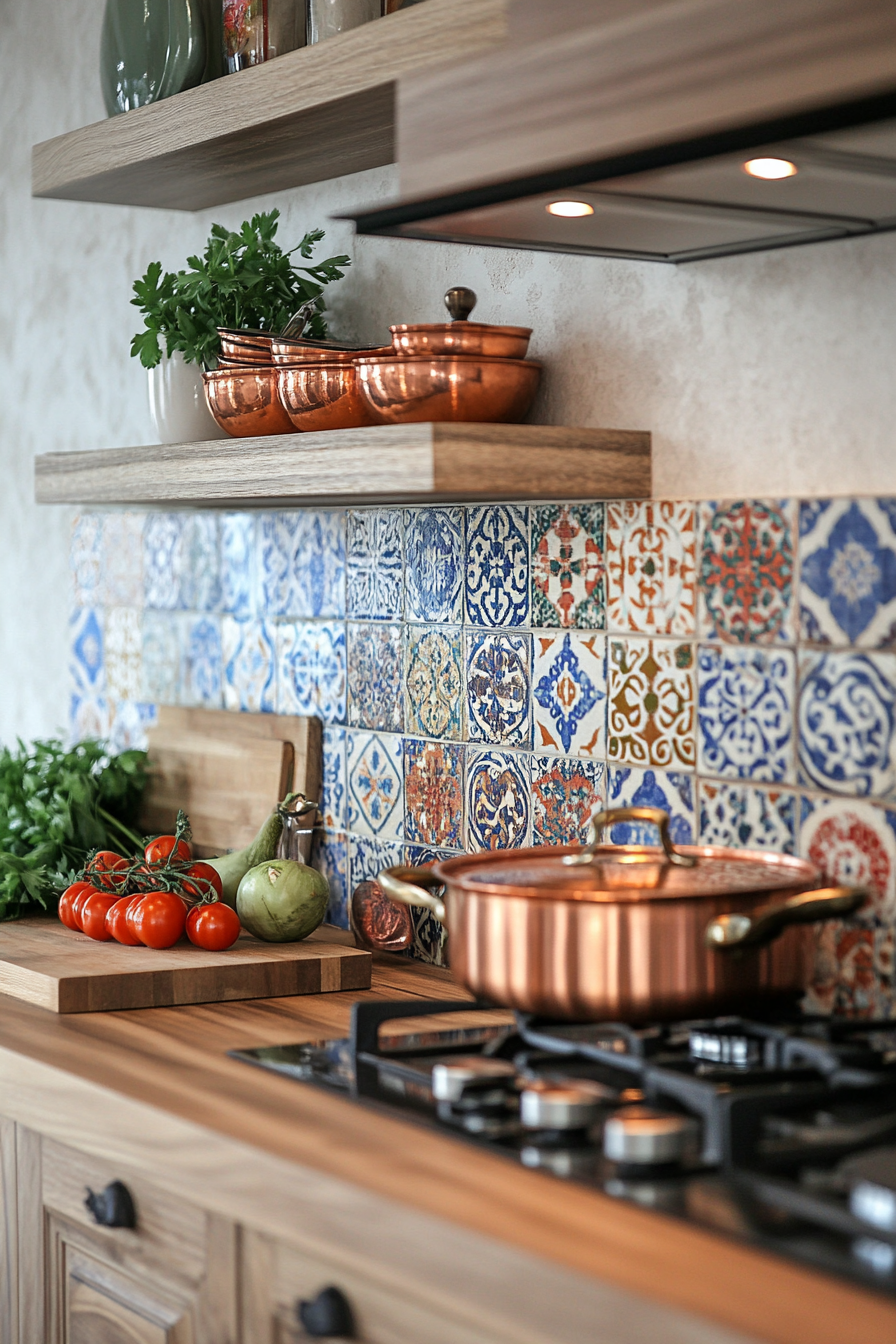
(460, 302)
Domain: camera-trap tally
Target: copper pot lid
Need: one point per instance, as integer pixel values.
(460, 303)
(628, 873)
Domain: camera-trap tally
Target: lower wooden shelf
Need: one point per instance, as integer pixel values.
(384, 464)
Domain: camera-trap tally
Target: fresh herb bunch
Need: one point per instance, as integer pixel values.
(56, 806)
(241, 280)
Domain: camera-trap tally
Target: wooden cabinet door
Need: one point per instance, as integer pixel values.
(172, 1279)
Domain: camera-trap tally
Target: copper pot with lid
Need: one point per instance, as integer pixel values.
(627, 932)
(460, 336)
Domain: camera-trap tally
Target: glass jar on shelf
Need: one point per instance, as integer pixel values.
(258, 30)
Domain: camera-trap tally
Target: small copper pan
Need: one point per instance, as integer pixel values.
(627, 932)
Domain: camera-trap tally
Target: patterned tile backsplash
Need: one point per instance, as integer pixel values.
(488, 674)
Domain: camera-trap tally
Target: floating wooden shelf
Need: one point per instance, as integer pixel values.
(312, 114)
(383, 464)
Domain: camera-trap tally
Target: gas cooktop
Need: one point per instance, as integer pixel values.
(781, 1133)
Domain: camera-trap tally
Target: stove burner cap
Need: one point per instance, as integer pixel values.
(559, 1105)
(451, 1077)
(718, 1047)
(644, 1137)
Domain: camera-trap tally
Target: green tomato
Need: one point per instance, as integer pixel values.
(282, 901)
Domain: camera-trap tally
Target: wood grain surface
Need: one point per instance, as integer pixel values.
(155, 1092)
(44, 963)
(311, 114)
(382, 463)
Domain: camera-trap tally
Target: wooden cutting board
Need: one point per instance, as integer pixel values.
(43, 962)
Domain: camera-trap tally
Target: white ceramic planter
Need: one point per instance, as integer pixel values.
(177, 403)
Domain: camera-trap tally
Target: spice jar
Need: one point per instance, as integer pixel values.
(326, 18)
(259, 30)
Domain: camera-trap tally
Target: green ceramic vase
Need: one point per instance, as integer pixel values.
(149, 50)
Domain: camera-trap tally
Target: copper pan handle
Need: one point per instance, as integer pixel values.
(401, 884)
(727, 933)
(655, 815)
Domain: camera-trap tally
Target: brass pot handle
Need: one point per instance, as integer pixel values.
(728, 933)
(601, 820)
(401, 884)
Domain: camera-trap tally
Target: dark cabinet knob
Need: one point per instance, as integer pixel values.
(112, 1207)
(327, 1316)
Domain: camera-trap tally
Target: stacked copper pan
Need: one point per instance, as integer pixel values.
(458, 370)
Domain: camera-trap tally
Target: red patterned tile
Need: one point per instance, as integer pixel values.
(434, 793)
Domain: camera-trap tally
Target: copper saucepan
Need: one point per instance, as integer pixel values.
(627, 932)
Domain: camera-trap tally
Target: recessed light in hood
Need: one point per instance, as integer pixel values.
(770, 170)
(570, 209)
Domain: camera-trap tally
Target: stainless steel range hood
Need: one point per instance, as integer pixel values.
(654, 152)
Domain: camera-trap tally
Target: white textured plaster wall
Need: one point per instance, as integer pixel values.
(767, 374)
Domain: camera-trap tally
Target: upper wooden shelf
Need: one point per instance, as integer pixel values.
(428, 462)
(312, 114)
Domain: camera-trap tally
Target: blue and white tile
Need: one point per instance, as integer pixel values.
(375, 682)
(238, 581)
(88, 716)
(200, 588)
(847, 723)
(848, 572)
(746, 698)
(122, 584)
(566, 791)
(329, 855)
(741, 817)
(318, 565)
(434, 682)
(129, 725)
(498, 800)
(434, 565)
(369, 857)
(87, 667)
(250, 664)
(496, 579)
(333, 787)
(499, 685)
(123, 648)
(160, 658)
(375, 771)
(374, 564)
(275, 542)
(671, 790)
(311, 669)
(86, 560)
(163, 563)
(569, 693)
(430, 937)
(202, 663)
(854, 845)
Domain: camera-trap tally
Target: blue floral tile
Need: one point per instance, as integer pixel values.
(854, 844)
(201, 674)
(129, 724)
(123, 653)
(369, 857)
(275, 543)
(499, 688)
(434, 682)
(329, 855)
(238, 584)
(434, 793)
(122, 584)
(565, 793)
(86, 560)
(430, 937)
(568, 566)
(200, 588)
(332, 803)
(160, 658)
(745, 712)
(163, 563)
(848, 571)
(847, 742)
(88, 716)
(671, 790)
(434, 565)
(497, 566)
(374, 564)
(87, 668)
(569, 693)
(375, 698)
(735, 815)
(249, 659)
(373, 763)
(498, 798)
(318, 565)
(311, 671)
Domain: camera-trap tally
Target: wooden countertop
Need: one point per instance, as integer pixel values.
(132, 1084)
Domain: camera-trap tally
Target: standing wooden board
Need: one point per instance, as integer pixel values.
(44, 963)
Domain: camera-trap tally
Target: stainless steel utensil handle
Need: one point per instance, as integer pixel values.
(655, 815)
(401, 884)
(727, 933)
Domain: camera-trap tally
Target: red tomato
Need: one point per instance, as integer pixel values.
(214, 926)
(130, 918)
(166, 847)
(93, 915)
(208, 883)
(66, 903)
(116, 926)
(78, 903)
(159, 919)
(107, 866)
